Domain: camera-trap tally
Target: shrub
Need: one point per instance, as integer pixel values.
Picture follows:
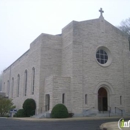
(29, 107)
(20, 113)
(59, 111)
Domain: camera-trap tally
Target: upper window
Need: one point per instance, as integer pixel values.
(25, 90)
(18, 85)
(33, 79)
(8, 87)
(102, 56)
(12, 87)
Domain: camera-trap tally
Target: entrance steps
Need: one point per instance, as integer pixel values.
(89, 113)
(103, 114)
(42, 115)
(106, 114)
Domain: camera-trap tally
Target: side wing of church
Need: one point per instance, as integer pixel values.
(87, 68)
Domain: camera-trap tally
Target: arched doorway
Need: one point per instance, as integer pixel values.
(102, 99)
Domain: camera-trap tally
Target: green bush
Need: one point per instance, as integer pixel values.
(20, 113)
(59, 111)
(29, 107)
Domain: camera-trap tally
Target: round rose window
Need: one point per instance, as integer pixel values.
(102, 56)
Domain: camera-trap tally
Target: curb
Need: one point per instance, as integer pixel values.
(65, 119)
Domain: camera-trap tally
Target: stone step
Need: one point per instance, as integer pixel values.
(42, 115)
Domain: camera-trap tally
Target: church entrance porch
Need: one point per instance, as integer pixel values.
(102, 99)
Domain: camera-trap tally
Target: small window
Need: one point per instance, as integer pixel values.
(25, 90)
(85, 98)
(120, 100)
(47, 106)
(3, 88)
(63, 98)
(8, 88)
(12, 87)
(33, 80)
(18, 85)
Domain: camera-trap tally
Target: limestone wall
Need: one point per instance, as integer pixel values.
(27, 61)
(88, 36)
(50, 62)
(56, 86)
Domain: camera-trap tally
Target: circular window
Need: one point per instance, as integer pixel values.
(102, 56)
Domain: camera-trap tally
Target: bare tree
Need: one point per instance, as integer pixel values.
(125, 26)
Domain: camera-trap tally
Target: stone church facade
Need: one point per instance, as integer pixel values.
(87, 68)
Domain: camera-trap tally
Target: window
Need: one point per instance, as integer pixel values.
(8, 87)
(120, 100)
(25, 91)
(18, 85)
(63, 98)
(12, 87)
(33, 80)
(85, 98)
(47, 107)
(102, 56)
(3, 88)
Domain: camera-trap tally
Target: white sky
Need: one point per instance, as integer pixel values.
(21, 21)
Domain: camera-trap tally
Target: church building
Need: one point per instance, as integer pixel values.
(86, 68)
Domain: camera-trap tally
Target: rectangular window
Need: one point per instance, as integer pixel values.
(86, 99)
(47, 106)
(33, 80)
(63, 98)
(3, 88)
(18, 85)
(8, 88)
(12, 87)
(25, 91)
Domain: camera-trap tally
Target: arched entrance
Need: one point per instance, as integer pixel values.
(102, 99)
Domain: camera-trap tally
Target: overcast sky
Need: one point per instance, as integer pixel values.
(21, 21)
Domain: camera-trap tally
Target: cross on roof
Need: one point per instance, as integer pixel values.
(101, 11)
